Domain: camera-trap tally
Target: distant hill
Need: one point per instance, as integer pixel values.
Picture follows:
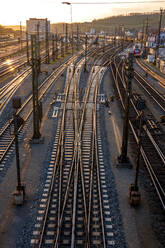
(6, 30)
(132, 22)
(16, 27)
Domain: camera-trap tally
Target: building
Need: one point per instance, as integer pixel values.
(151, 42)
(153, 39)
(162, 65)
(140, 35)
(31, 27)
(92, 31)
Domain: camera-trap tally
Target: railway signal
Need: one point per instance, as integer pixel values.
(123, 160)
(19, 193)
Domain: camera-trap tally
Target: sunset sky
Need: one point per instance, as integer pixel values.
(14, 11)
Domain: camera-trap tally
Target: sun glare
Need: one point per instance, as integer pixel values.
(55, 11)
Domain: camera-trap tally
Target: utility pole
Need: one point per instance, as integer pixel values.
(122, 36)
(72, 41)
(38, 48)
(56, 45)
(146, 36)
(147, 29)
(142, 36)
(123, 160)
(158, 41)
(19, 193)
(62, 47)
(27, 46)
(47, 41)
(115, 37)
(66, 38)
(77, 37)
(35, 72)
(104, 44)
(20, 36)
(53, 47)
(86, 43)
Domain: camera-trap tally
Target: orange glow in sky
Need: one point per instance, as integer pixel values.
(14, 11)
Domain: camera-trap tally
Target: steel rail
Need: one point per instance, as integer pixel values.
(59, 161)
(48, 82)
(151, 72)
(80, 167)
(76, 168)
(73, 174)
(97, 166)
(154, 178)
(159, 96)
(65, 198)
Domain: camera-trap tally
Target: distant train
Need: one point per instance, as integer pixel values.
(137, 52)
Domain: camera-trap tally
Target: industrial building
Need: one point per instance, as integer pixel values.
(31, 27)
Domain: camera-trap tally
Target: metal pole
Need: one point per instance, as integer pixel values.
(56, 45)
(46, 41)
(38, 48)
(142, 36)
(71, 27)
(66, 38)
(86, 43)
(17, 152)
(158, 42)
(138, 150)
(77, 37)
(115, 37)
(20, 36)
(36, 122)
(71, 35)
(27, 47)
(146, 37)
(123, 159)
(53, 48)
(62, 47)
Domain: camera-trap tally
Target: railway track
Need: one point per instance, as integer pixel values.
(151, 152)
(156, 96)
(6, 139)
(8, 90)
(74, 210)
(10, 66)
(153, 72)
(6, 131)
